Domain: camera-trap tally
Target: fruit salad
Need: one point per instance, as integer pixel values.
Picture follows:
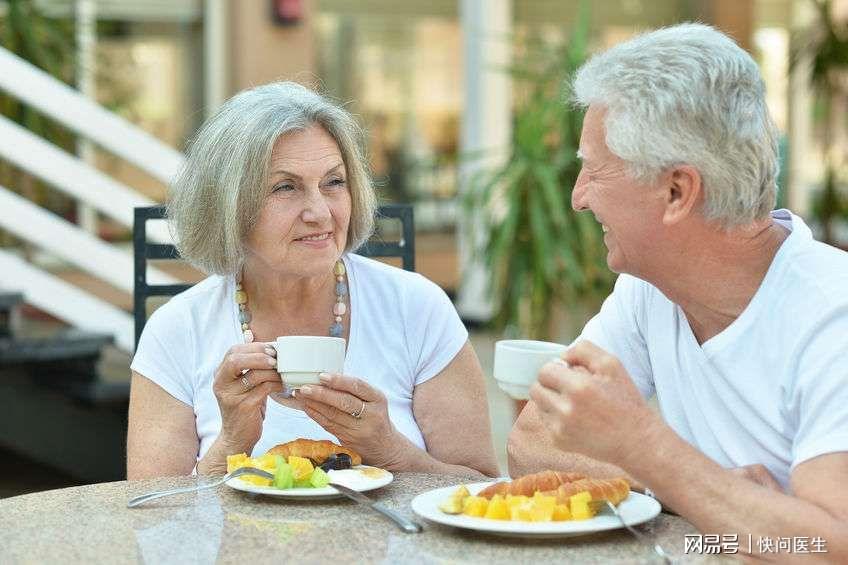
(297, 472)
(536, 508)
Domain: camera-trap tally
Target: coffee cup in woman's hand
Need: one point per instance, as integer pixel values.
(301, 358)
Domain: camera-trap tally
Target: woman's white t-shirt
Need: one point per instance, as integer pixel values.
(404, 330)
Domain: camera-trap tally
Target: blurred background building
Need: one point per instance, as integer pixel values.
(430, 81)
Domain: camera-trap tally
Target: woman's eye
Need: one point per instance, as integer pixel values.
(336, 182)
(284, 187)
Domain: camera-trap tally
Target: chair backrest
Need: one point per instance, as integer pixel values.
(143, 251)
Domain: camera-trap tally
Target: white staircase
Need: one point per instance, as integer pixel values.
(79, 180)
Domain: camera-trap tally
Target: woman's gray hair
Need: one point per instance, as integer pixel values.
(688, 94)
(217, 197)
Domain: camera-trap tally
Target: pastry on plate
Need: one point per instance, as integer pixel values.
(316, 450)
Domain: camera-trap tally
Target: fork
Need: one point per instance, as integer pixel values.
(237, 473)
(640, 536)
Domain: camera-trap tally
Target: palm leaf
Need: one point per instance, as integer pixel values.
(539, 250)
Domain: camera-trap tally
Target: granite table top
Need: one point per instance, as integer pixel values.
(92, 524)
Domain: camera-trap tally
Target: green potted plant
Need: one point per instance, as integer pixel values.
(539, 252)
(825, 46)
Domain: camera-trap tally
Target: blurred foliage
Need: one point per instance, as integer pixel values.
(539, 251)
(825, 48)
(47, 43)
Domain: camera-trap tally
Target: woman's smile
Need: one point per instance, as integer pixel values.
(318, 240)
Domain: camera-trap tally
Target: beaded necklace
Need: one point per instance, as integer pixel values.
(339, 308)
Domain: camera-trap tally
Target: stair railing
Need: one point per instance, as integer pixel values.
(84, 183)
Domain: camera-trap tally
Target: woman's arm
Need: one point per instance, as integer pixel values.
(161, 438)
(450, 410)
(453, 414)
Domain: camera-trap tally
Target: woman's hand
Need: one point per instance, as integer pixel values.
(241, 395)
(357, 414)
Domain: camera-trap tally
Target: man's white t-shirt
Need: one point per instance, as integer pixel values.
(772, 388)
(404, 330)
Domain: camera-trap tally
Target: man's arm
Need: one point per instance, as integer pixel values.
(531, 449)
(596, 410)
(718, 501)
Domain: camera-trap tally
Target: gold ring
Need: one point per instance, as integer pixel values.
(358, 415)
(245, 382)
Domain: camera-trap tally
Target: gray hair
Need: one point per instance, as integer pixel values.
(687, 94)
(217, 197)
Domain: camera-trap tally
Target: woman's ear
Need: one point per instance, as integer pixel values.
(683, 193)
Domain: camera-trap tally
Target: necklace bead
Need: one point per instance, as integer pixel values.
(341, 288)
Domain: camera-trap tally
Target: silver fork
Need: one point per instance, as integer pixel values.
(640, 536)
(237, 473)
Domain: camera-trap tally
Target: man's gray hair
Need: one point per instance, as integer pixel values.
(688, 94)
(217, 197)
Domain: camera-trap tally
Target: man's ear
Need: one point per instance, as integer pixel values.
(683, 193)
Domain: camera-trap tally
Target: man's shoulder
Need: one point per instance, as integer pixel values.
(816, 275)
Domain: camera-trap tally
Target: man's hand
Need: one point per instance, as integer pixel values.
(590, 405)
(758, 474)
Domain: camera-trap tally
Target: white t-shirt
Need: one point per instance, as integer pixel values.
(772, 388)
(404, 330)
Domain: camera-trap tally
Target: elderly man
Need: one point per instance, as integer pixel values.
(730, 312)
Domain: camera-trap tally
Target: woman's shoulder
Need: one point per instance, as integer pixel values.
(202, 298)
(389, 280)
(384, 273)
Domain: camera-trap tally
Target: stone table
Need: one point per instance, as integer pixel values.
(92, 524)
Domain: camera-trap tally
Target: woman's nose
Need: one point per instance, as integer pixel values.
(316, 208)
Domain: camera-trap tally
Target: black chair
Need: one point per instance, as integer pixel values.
(143, 251)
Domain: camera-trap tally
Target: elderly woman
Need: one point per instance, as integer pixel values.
(274, 197)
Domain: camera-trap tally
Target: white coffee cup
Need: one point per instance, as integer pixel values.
(517, 364)
(301, 358)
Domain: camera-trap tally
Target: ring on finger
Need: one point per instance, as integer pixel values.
(358, 415)
(245, 383)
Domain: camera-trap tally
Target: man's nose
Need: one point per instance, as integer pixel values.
(578, 194)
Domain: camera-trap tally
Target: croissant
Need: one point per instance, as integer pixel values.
(317, 450)
(614, 490)
(529, 484)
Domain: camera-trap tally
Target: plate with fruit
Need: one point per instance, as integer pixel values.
(547, 504)
(304, 468)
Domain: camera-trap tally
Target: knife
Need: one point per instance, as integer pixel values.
(403, 522)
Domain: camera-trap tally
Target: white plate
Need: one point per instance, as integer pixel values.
(635, 509)
(353, 478)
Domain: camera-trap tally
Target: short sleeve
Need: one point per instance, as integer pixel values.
(616, 330)
(434, 332)
(819, 403)
(167, 331)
